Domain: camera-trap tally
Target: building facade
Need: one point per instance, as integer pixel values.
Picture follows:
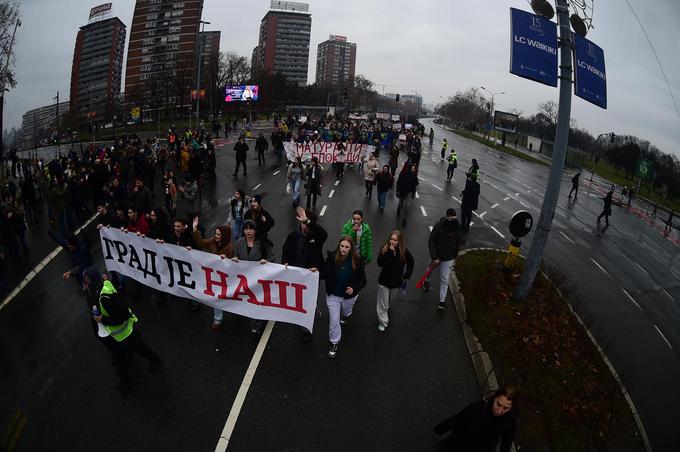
(41, 123)
(161, 61)
(209, 42)
(336, 61)
(283, 45)
(97, 70)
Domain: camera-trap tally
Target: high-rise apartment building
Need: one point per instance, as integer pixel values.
(335, 61)
(41, 123)
(161, 61)
(97, 68)
(209, 42)
(283, 45)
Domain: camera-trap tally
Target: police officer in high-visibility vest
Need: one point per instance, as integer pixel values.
(119, 321)
(453, 164)
(445, 146)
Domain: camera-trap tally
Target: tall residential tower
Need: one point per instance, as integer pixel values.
(335, 61)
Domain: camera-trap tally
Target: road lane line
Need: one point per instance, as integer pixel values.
(421, 178)
(330, 195)
(497, 232)
(506, 198)
(337, 182)
(481, 215)
(471, 223)
(517, 194)
(631, 298)
(455, 199)
(494, 206)
(276, 172)
(438, 188)
(567, 237)
(640, 267)
(524, 205)
(476, 214)
(430, 228)
(663, 337)
(417, 195)
(494, 186)
(422, 209)
(667, 294)
(228, 429)
(599, 266)
(517, 180)
(561, 206)
(257, 186)
(323, 210)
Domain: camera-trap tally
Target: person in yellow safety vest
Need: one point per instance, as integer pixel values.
(119, 321)
(453, 164)
(445, 146)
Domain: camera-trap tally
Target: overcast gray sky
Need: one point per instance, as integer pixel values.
(434, 47)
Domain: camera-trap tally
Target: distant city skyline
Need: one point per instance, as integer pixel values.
(434, 48)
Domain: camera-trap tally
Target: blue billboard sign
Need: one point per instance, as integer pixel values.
(590, 77)
(533, 53)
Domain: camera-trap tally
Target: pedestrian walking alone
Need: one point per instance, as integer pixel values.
(406, 187)
(396, 267)
(453, 164)
(261, 145)
(345, 277)
(296, 176)
(444, 243)
(574, 185)
(384, 182)
(469, 202)
(314, 182)
(241, 149)
(607, 211)
(669, 223)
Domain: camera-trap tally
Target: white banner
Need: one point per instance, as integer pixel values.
(326, 151)
(259, 291)
(385, 116)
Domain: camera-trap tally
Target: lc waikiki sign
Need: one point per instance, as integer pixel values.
(261, 291)
(533, 51)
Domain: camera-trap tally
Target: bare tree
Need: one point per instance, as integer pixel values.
(9, 22)
(549, 110)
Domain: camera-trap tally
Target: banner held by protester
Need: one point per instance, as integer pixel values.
(327, 152)
(261, 291)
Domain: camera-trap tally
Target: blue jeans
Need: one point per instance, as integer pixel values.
(295, 184)
(382, 197)
(236, 228)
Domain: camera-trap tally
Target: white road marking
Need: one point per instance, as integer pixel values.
(667, 294)
(438, 188)
(476, 214)
(471, 223)
(561, 206)
(481, 215)
(632, 299)
(497, 232)
(599, 266)
(494, 206)
(430, 228)
(567, 237)
(257, 186)
(494, 186)
(337, 182)
(228, 429)
(276, 172)
(417, 195)
(422, 209)
(421, 178)
(527, 186)
(640, 267)
(323, 210)
(517, 194)
(524, 205)
(455, 199)
(506, 198)
(330, 195)
(663, 337)
(517, 180)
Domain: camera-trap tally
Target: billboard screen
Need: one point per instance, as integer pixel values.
(505, 122)
(240, 93)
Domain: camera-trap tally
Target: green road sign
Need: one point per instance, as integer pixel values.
(644, 170)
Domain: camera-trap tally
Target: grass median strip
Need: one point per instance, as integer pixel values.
(498, 147)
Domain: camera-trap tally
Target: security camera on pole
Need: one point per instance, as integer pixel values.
(534, 56)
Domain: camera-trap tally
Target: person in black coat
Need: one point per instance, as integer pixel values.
(607, 211)
(263, 219)
(384, 182)
(314, 182)
(406, 186)
(574, 185)
(241, 149)
(470, 201)
(481, 425)
(304, 246)
(345, 277)
(396, 263)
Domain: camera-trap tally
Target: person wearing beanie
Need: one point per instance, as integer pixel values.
(263, 220)
(444, 243)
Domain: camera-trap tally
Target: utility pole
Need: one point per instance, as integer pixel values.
(545, 219)
(3, 86)
(57, 120)
(201, 37)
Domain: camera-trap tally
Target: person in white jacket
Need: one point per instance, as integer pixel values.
(370, 170)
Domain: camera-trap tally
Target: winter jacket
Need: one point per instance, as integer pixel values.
(371, 169)
(211, 246)
(241, 149)
(384, 181)
(392, 273)
(470, 195)
(312, 248)
(356, 282)
(444, 241)
(406, 184)
(263, 227)
(257, 253)
(141, 225)
(314, 183)
(365, 242)
(184, 239)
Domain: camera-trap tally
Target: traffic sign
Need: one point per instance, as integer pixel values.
(645, 169)
(533, 52)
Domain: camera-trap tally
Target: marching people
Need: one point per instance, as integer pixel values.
(189, 192)
(261, 145)
(394, 158)
(396, 267)
(481, 425)
(406, 186)
(182, 236)
(345, 277)
(251, 247)
(263, 220)
(607, 210)
(296, 176)
(470, 201)
(241, 148)
(445, 146)
(443, 244)
(238, 205)
(383, 181)
(314, 182)
(452, 165)
(361, 235)
(574, 185)
(370, 170)
(220, 244)
(340, 159)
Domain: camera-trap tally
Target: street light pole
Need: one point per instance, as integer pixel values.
(198, 75)
(493, 95)
(545, 219)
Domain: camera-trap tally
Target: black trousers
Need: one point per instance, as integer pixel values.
(260, 157)
(605, 215)
(311, 198)
(465, 218)
(369, 188)
(122, 352)
(449, 171)
(238, 165)
(574, 189)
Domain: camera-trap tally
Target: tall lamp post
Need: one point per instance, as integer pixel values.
(198, 75)
(493, 95)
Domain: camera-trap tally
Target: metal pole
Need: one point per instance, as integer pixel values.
(557, 168)
(201, 37)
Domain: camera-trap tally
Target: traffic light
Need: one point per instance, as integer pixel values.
(396, 98)
(612, 138)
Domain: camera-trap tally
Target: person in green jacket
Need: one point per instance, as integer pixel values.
(360, 232)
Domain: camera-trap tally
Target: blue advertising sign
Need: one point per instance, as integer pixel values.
(590, 77)
(533, 53)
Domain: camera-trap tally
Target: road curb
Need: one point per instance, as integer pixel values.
(486, 376)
